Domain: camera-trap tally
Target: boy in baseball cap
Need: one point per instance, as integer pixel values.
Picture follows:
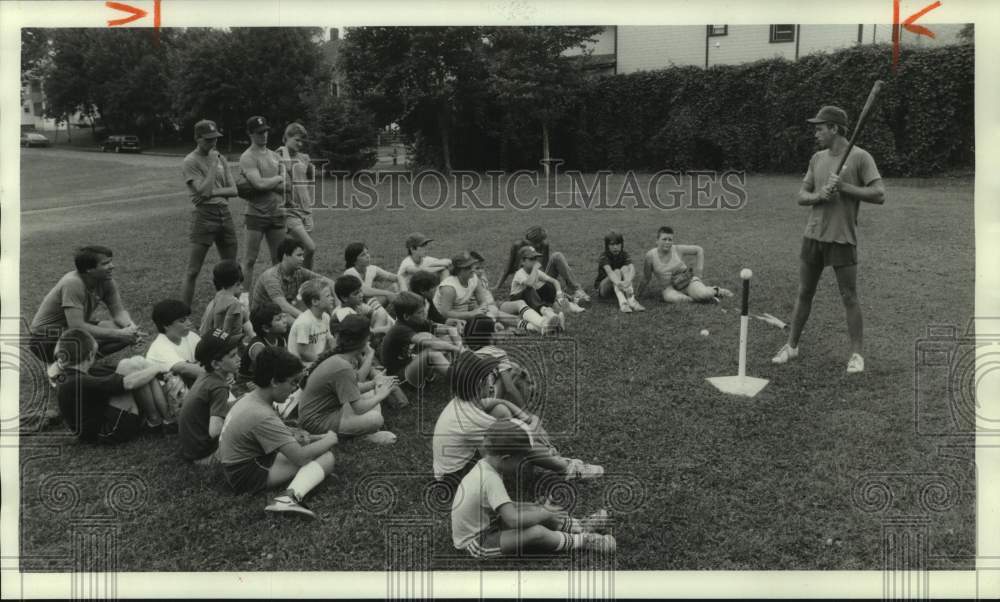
(211, 185)
(207, 402)
(417, 259)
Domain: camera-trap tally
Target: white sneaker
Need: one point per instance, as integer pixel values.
(578, 469)
(635, 305)
(625, 308)
(574, 308)
(286, 502)
(381, 438)
(787, 352)
(580, 296)
(855, 364)
(601, 543)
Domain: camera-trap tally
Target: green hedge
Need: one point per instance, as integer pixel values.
(749, 116)
(752, 116)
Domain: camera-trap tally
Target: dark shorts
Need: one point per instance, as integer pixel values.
(119, 426)
(834, 254)
(536, 298)
(213, 224)
(249, 476)
(263, 223)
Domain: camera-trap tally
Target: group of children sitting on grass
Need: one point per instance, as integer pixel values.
(270, 381)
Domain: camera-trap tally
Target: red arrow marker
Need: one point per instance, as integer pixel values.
(137, 13)
(920, 29)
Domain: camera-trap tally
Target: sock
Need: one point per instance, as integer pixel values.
(532, 317)
(571, 525)
(306, 478)
(567, 542)
(621, 296)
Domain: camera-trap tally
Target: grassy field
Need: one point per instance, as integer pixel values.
(698, 480)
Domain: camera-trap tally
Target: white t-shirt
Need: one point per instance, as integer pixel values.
(368, 279)
(162, 352)
(476, 502)
(406, 269)
(458, 433)
(308, 330)
(523, 280)
(342, 312)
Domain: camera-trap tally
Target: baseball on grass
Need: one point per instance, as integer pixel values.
(746, 274)
(704, 332)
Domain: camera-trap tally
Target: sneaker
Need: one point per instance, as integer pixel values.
(578, 469)
(381, 438)
(625, 308)
(580, 296)
(787, 352)
(597, 522)
(635, 305)
(573, 308)
(855, 364)
(286, 502)
(723, 292)
(601, 543)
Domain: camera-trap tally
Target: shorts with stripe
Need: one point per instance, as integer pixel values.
(487, 543)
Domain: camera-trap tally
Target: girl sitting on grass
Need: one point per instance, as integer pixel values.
(615, 273)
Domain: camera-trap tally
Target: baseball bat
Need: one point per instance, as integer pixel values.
(862, 119)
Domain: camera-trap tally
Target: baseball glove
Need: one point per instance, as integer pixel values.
(681, 279)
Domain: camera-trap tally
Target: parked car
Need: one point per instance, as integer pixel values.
(33, 139)
(121, 144)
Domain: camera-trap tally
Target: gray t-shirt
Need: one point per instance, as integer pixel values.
(836, 220)
(333, 383)
(72, 293)
(265, 203)
(251, 429)
(195, 170)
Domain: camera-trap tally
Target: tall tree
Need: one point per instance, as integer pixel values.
(118, 74)
(230, 75)
(531, 76)
(414, 76)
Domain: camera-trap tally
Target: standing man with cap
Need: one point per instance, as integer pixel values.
(265, 215)
(830, 237)
(207, 176)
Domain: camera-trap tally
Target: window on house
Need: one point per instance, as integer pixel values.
(27, 109)
(36, 86)
(782, 33)
(718, 30)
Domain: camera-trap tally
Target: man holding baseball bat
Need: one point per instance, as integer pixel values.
(839, 178)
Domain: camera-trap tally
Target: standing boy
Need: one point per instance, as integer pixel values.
(207, 177)
(265, 214)
(831, 237)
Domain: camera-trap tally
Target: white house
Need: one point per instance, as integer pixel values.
(629, 48)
